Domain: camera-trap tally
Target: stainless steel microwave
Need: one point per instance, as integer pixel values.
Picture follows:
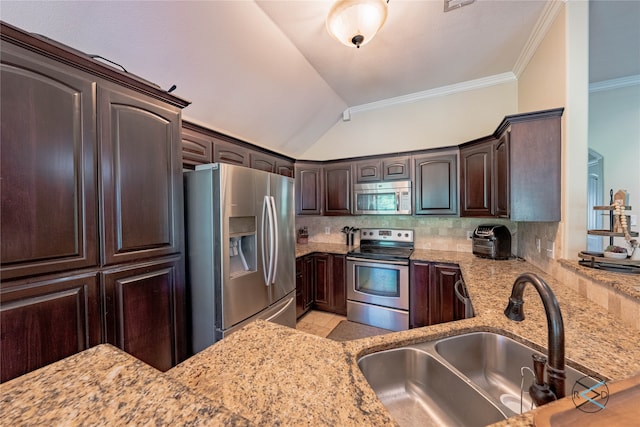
(382, 198)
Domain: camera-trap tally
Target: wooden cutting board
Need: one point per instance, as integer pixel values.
(622, 409)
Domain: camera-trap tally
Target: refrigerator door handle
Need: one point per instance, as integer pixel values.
(274, 246)
(265, 218)
(267, 235)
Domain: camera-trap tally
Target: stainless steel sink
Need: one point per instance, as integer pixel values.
(494, 363)
(465, 380)
(419, 390)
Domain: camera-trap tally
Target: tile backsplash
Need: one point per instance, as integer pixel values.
(437, 233)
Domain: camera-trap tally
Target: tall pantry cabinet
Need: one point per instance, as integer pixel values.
(91, 209)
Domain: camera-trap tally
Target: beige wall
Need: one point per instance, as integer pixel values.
(433, 122)
(557, 75)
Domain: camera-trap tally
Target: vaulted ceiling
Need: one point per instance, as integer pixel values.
(267, 71)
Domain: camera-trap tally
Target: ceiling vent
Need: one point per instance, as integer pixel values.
(455, 4)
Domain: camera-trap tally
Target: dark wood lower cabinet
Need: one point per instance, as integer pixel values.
(321, 283)
(45, 321)
(330, 287)
(304, 284)
(140, 312)
(432, 298)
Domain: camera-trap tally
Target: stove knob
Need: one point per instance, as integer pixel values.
(399, 234)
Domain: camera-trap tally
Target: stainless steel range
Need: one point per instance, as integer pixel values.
(378, 278)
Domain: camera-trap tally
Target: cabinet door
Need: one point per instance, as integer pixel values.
(262, 162)
(419, 294)
(436, 185)
(141, 177)
(46, 321)
(308, 190)
(501, 172)
(309, 281)
(444, 306)
(322, 289)
(368, 171)
(396, 168)
(337, 189)
(300, 287)
(339, 284)
(48, 167)
(144, 314)
(284, 168)
(227, 152)
(476, 170)
(197, 148)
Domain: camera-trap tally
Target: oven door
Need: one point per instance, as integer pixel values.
(379, 282)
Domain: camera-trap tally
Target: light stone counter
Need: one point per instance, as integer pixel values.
(272, 375)
(105, 386)
(311, 247)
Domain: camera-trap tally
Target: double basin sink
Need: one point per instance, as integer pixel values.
(474, 379)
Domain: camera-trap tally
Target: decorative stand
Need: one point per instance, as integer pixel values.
(597, 259)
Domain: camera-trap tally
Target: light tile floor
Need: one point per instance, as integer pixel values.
(319, 322)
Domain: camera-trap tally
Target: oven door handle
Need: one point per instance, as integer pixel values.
(377, 261)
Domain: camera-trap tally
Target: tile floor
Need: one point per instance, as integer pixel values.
(319, 322)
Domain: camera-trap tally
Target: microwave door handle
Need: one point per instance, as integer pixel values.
(397, 200)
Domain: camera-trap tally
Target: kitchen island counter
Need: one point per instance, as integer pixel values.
(271, 374)
(267, 374)
(105, 386)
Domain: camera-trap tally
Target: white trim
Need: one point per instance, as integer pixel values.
(432, 93)
(546, 19)
(615, 83)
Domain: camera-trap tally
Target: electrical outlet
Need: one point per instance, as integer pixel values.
(327, 230)
(550, 249)
(469, 235)
(538, 244)
(633, 220)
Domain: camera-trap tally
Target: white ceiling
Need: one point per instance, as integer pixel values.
(267, 72)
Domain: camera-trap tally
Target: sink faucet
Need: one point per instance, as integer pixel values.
(555, 345)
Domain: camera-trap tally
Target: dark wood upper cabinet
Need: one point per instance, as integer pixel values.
(368, 170)
(436, 188)
(308, 189)
(197, 148)
(337, 189)
(396, 168)
(91, 195)
(285, 168)
(141, 179)
(48, 168)
(228, 152)
(534, 150)
(476, 178)
(47, 320)
(501, 182)
(263, 162)
(383, 169)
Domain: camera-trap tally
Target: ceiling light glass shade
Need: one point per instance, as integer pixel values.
(355, 22)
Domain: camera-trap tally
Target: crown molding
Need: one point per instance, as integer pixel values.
(621, 82)
(545, 20)
(431, 93)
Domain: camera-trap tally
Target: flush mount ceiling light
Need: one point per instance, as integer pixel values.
(355, 22)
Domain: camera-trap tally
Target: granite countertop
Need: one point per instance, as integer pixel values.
(332, 248)
(267, 374)
(271, 374)
(105, 386)
(628, 284)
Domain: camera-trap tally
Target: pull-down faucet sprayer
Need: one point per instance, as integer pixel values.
(555, 366)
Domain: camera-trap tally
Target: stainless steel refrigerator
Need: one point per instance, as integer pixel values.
(240, 249)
